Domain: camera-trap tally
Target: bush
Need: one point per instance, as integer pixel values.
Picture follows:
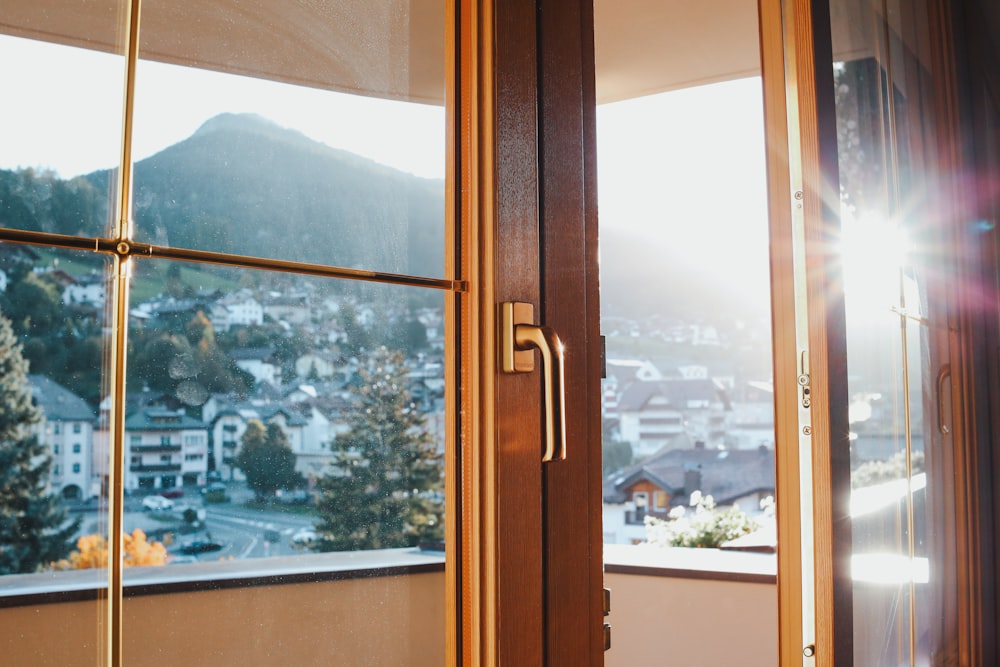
(704, 527)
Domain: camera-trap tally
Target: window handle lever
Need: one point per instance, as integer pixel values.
(519, 337)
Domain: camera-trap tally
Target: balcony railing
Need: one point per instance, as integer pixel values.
(155, 467)
(139, 449)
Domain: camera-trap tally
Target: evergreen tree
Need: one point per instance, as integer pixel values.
(266, 459)
(34, 531)
(385, 487)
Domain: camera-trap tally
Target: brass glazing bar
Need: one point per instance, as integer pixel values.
(127, 248)
(125, 166)
(119, 346)
(246, 262)
(58, 240)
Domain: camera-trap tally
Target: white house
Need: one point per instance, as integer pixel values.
(652, 413)
(164, 449)
(87, 289)
(259, 362)
(237, 309)
(67, 429)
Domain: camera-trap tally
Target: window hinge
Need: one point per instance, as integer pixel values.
(607, 610)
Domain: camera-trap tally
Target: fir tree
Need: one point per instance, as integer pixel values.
(34, 531)
(385, 487)
(266, 459)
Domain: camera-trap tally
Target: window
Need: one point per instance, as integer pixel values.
(76, 448)
(660, 499)
(76, 467)
(55, 449)
(358, 216)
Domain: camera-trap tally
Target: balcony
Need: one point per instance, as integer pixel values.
(155, 467)
(154, 448)
(684, 607)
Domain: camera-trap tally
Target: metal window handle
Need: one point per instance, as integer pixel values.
(943, 375)
(519, 337)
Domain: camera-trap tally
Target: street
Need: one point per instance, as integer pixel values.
(240, 532)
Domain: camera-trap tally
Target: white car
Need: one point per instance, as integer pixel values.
(157, 503)
(304, 538)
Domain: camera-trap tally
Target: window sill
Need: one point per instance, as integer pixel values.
(70, 586)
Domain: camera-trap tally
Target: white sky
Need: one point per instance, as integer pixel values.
(685, 172)
(63, 112)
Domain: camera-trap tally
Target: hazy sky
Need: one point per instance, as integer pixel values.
(63, 112)
(683, 174)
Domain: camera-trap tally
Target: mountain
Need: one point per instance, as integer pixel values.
(242, 184)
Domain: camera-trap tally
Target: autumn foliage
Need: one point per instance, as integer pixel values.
(92, 551)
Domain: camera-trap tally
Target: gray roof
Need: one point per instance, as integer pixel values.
(726, 474)
(57, 402)
(159, 419)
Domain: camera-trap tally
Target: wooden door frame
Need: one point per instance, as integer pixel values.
(530, 547)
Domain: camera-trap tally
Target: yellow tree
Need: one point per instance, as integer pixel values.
(92, 551)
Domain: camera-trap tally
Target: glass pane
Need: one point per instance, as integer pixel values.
(903, 555)
(62, 74)
(53, 511)
(308, 133)
(298, 420)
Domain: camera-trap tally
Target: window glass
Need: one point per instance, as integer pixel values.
(901, 511)
(318, 428)
(51, 361)
(62, 138)
(346, 170)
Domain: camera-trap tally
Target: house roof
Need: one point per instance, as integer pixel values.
(57, 402)
(726, 474)
(159, 419)
(677, 392)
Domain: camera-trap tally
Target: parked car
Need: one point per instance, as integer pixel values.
(305, 538)
(157, 503)
(199, 547)
(172, 493)
(215, 493)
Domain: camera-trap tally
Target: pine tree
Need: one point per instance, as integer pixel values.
(385, 487)
(34, 531)
(266, 459)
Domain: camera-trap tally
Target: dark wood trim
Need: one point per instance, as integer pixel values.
(512, 426)
(568, 185)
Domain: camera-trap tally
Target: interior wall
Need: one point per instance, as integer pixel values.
(659, 621)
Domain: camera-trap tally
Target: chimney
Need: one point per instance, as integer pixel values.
(692, 478)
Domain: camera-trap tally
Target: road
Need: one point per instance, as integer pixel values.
(242, 532)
